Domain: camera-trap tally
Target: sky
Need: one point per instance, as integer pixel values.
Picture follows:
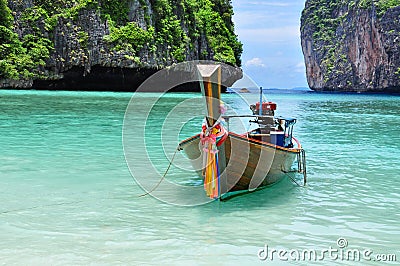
(270, 33)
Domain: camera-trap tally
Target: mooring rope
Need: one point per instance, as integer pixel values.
(40, 206)
(304, 165)
(301, 164)
(163, 177)
(294, 180)
(79, 201)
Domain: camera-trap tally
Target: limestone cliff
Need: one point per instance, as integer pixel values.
(352, 45)
(109, 44)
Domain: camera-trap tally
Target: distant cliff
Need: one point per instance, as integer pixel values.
(109, 44)
(352, 45)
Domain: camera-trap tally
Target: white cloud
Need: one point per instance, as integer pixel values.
(247, 3)
(265, 3)
(250, 19)
(262, 17)
(300, 68)
(257, 62)
(270, 35)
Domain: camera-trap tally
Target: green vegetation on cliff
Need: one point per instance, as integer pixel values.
(21, 58)
(325, 16)
(171, 17)
(170, 30)
(351, 44)
(381, 6)
(5, 15)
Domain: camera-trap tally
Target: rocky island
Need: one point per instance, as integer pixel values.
(352, 45)
(109, 44)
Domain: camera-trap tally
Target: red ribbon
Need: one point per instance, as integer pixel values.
(208, 139)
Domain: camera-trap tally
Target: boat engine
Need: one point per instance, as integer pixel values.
(266, 120)
(268, 108)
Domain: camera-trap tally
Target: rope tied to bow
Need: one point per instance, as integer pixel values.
(211, 137)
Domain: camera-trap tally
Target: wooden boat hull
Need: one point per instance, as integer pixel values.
(250, 163)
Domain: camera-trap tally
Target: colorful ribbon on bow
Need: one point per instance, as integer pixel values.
(212, 137)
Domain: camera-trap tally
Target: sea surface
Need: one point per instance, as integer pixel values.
(68, 197)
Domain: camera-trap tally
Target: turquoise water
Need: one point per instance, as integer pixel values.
(67, 196)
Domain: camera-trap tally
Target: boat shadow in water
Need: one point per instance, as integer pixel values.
(267, 197)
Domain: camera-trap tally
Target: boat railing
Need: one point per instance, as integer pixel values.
(227, 117)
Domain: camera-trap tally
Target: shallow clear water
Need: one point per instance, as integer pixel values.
(67, 196)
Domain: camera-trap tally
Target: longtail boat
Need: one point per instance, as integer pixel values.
(232, 163)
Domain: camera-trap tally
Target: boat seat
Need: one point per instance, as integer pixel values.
(259, 135)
